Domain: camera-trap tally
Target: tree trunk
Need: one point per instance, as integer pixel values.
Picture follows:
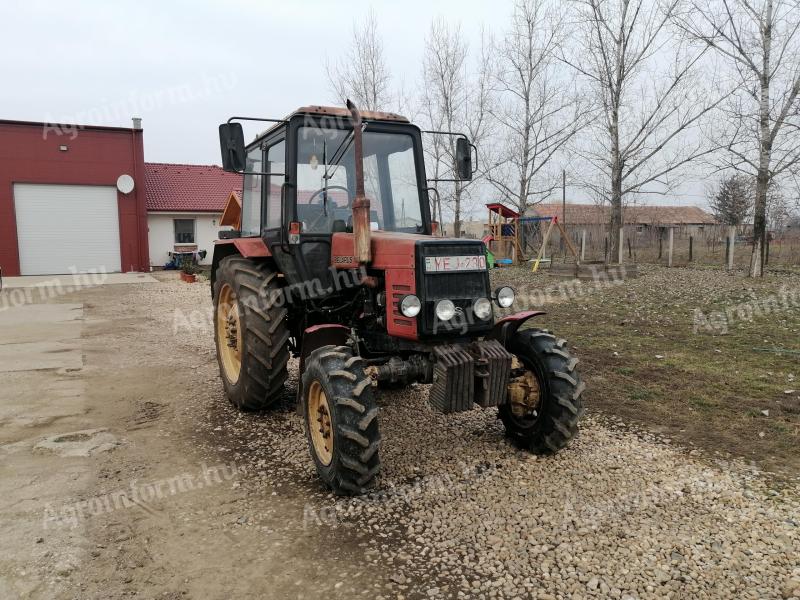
(760, 220)
(616, 188)
(765, 154)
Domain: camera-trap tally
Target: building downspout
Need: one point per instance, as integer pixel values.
(137, 126)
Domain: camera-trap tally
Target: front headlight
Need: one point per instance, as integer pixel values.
(445, 310)
(482, 308)
(410, 306)
(504, 296)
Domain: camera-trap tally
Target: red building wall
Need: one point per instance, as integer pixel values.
(29, 153)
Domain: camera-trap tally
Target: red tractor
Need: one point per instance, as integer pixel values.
(336, 262)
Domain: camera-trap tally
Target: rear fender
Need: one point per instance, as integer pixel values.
(246, 247)
(505, 328)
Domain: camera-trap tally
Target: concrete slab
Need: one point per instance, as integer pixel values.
(76, 281)
(35, 356)
(40, 336)
(41, 398)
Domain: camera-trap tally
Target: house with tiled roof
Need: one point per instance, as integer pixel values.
(689, 218)
(184, 207)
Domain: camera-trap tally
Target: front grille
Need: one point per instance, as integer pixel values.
(460, 287)
(397, 292)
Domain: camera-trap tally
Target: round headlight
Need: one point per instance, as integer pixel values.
(482, 308)
(410, 306)
(445, 310)
(504, 296)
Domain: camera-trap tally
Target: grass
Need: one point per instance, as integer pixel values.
(648, 357)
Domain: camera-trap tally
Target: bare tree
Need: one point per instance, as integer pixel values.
(760, 43)
(362, 74)
(537, 108)
(649, 96)
(455, 98)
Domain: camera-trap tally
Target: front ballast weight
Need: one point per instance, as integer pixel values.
(461, 374)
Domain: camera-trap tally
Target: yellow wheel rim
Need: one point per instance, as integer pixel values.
(229, 334)
(319, 423)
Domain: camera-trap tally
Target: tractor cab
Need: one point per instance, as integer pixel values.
(301, 181)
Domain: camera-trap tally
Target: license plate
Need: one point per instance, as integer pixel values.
(450, 264)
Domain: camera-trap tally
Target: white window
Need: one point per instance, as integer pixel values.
(184, 231)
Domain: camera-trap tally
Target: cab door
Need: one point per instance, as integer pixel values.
(274, 206)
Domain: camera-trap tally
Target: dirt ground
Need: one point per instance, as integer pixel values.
(125, 473)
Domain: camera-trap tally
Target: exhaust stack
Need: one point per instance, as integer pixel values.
(361, 230)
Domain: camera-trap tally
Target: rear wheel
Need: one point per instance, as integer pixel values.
(251, 333)
(341, 420)
(544, 394)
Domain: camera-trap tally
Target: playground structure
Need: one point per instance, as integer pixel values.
(554, 222)
(503, 237)
(510, 235)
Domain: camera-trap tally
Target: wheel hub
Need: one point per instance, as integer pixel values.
(524, 392)
(320, 423)
(229, 334)
(232, 331)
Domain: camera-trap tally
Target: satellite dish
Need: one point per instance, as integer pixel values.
(125, 184)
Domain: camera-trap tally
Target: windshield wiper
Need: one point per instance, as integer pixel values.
(340, 152)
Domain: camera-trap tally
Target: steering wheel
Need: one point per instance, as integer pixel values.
(313, 225)
(331, 187)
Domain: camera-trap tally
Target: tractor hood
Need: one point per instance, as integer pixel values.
(389, 249)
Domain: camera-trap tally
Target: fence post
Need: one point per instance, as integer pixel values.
(731, 242)
(630, 250)
(660, 245)
(670, 246)
(727, 249)
(621, 244)
(583, 244)
(691, 247)
(605, 249)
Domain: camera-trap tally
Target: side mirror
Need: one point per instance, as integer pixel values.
(463, 159)
(231, 143)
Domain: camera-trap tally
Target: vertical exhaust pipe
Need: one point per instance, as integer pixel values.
(361, 230)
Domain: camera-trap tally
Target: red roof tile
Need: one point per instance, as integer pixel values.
(194, 188)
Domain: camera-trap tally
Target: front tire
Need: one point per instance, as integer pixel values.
(251, 333)
(544, 404)
(341, 420)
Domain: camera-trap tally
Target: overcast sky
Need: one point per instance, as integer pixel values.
(186, 66)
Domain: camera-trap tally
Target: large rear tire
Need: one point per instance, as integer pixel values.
(341, 420)
(545, 403)
(251, 333)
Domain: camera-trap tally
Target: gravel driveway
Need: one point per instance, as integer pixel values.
(459, 513)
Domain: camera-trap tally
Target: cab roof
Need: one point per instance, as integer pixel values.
(336, 112)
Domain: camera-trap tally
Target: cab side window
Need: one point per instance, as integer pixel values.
(276, 163)
(251, 194)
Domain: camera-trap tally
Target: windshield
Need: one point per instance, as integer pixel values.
(390, 180)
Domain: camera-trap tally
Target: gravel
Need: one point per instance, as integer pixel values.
(460, 512)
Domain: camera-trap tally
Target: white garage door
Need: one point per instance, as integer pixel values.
(67, 228)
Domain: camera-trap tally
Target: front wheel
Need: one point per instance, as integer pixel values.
(544, 394)
(341, 420)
